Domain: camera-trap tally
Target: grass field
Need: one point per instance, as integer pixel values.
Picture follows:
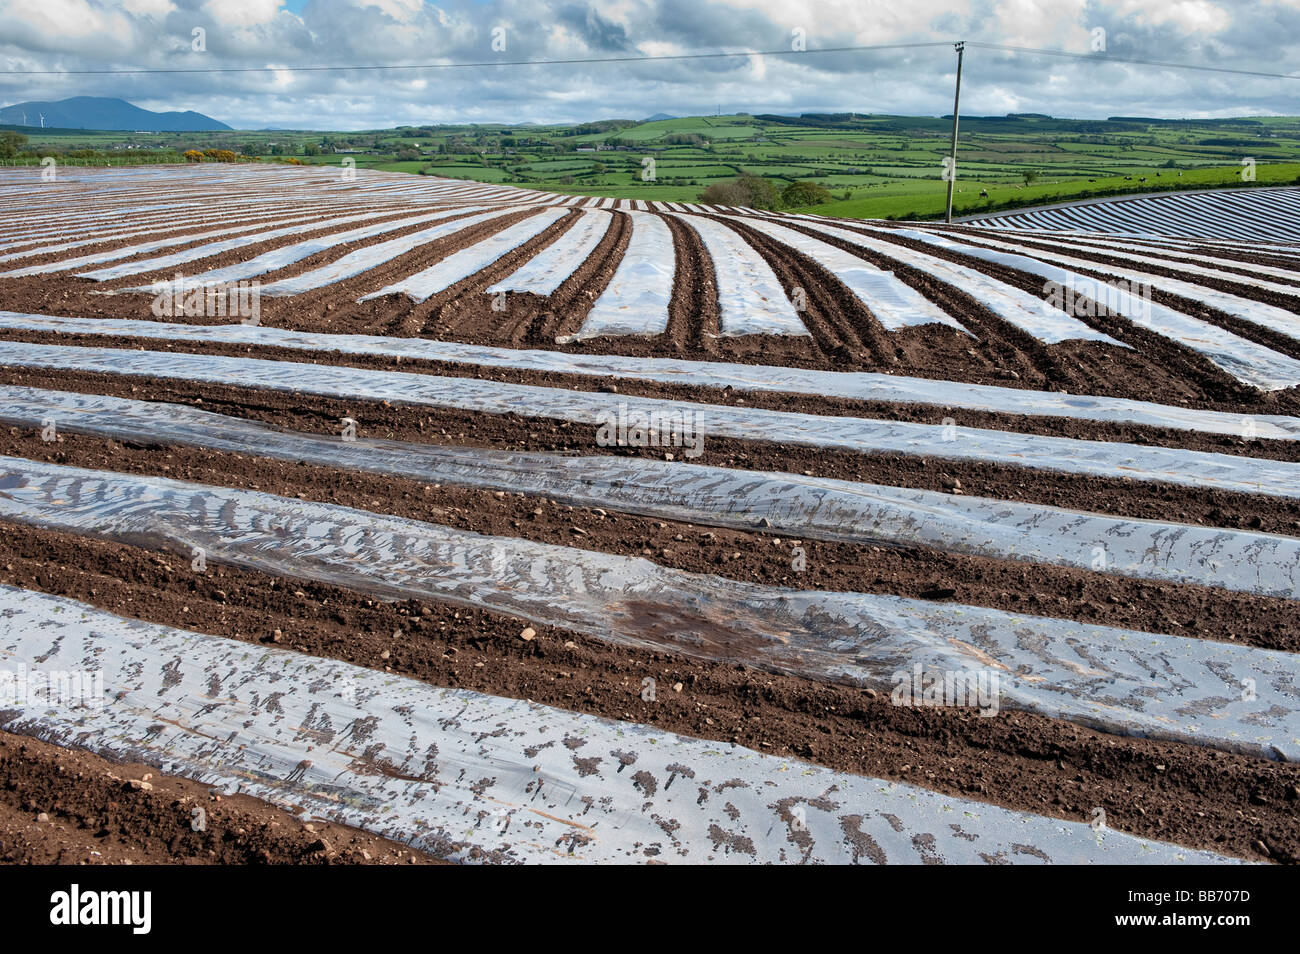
(873, 166)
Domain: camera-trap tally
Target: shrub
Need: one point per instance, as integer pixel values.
(724, 193)
(762, 193)
(799, 194)
(750, 191)
(193, 155)
(11, 143)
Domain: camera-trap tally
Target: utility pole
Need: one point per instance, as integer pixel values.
(960, 47)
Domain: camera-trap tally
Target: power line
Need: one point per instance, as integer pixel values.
(1107, 58)
(484, 63)
(1093, 57)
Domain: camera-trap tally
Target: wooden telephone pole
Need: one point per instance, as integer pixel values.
(960, 47)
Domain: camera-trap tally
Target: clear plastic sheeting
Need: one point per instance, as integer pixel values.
(286, 255)
(170, 224)
(893, 302)
(369, 256)
(825, 509)
(460, 265)
(1254, 215)
(1246, 360)
(207, 250)
(751, 300)
(1265, 315)
(212, 248)
(1166, 687)
(857, 385)
(1203, 265)
(480, 778)
(1171, 248)
(1104, 459)
(548, 269)
(1012, 305)
(636, 299)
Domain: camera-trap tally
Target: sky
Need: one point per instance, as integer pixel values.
(69, 35)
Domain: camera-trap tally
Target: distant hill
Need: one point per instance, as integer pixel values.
(101, 112)
(657, 117)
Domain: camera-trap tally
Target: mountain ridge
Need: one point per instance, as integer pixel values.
(107, 113)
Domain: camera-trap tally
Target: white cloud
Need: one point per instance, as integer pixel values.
(81, 34)
(1189, 16)
(242, 13)
(157, 9)
(402, 10)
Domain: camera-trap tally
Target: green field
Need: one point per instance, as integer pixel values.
(873, 166)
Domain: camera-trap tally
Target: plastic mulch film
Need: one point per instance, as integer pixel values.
(216, 248)
(213, 248)
(1009, 303)
(286, 255)
(1236, 698)
(1246, 360)
(751, 300)
(601, 410)
(476, 777)
(460, 265)
(373, 254)
(154, 227)
(636, 299)
(893, 302)
(1170, 254)
(548, 269)
(1194, 265)
(857, 385)
(1253, 215)
(1257, 563)
(1273, 317)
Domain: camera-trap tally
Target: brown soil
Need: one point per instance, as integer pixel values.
(61, 806)
(1150, 343)
(765, 558)
(1190, 795)
(1169, 369)
(323, 214)
(1119, 496)
(845, 336)
(1270, 404)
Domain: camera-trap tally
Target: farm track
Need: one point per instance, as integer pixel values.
(1232, 793)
